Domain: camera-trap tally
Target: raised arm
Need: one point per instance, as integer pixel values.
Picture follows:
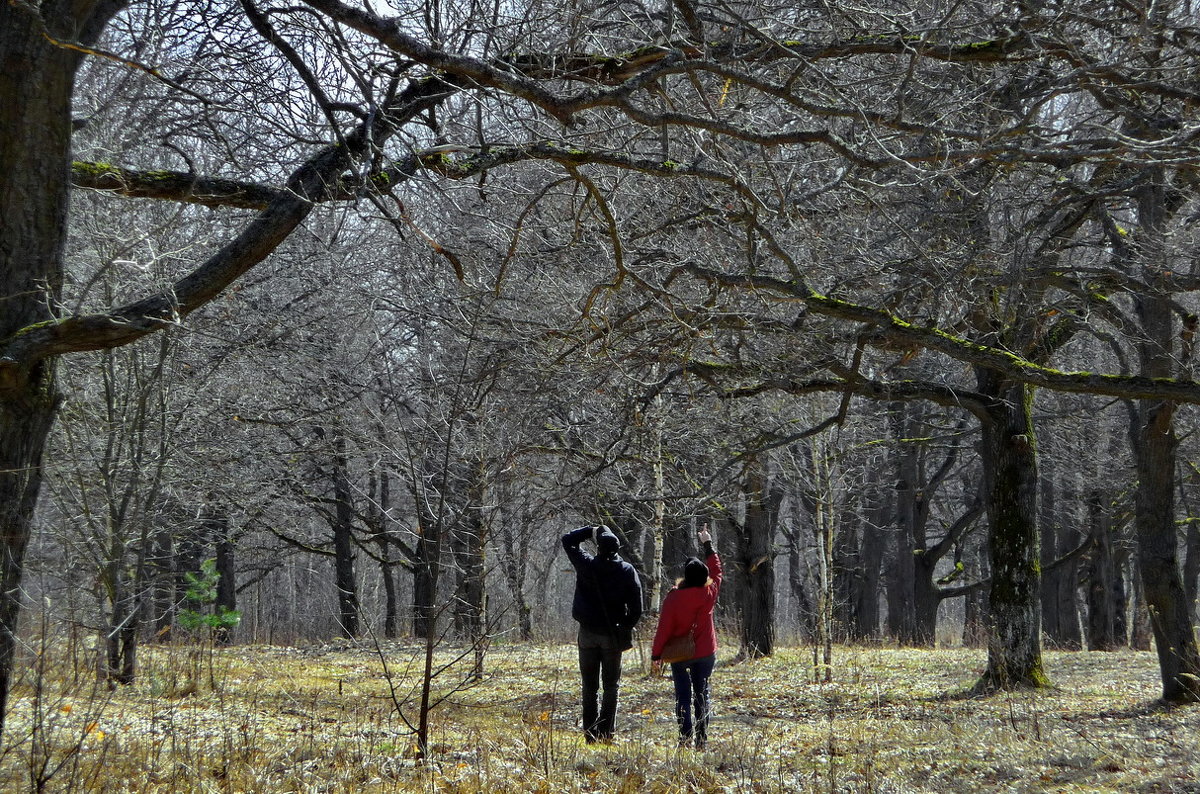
(710, 556)
(571, 541)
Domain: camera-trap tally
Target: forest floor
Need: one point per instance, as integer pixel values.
(324, 719)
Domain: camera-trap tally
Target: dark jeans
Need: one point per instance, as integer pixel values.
(691, 687)
(599, 664)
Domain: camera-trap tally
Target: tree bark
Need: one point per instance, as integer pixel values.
(846, 574)
(1052, 618)
(427, 566)
(1154, 451)
(470, 551)
(1162, 584)
(795, 556)
(870, 559)
(1191, 566)
(757, 562)
(975, 610)
(1009, 454)
(379, 494)
(124, 616)
(343, 542)
(1060, 614)
(163, 576)
(514, 533)
(226, 577)
(902, 573)
(36, 81)
(1105, 593)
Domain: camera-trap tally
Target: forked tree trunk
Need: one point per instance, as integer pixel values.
(926, 599)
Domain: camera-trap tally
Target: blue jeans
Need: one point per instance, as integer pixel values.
(691, 688)
(599, 663)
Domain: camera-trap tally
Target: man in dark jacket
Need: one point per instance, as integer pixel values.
(607, 605)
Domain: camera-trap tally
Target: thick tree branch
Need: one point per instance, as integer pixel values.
(1009, 364)
(948, 396)
(311, 182)
(174, 186)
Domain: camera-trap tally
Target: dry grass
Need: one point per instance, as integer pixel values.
(321, 720)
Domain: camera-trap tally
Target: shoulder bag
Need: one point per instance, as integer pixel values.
(681, 648)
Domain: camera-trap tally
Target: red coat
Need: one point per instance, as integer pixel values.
(686, 606)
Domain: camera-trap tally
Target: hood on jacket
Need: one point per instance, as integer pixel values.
(607, 541)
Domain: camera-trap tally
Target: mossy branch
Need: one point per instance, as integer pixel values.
(172, 185)
(1005, 362)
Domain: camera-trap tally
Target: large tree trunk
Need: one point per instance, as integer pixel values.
(1154, 451)
(163, 588)
(426, 565)
(926, 600)
(1162, 583)
(424, 589)
(1052, 617)
(24, 424)
(757, 564)
(846, 574)
(124, 614)
(36, 81)
(913, 593)
(1009, 453)
(975, 608)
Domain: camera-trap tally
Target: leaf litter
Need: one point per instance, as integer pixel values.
(323, 719)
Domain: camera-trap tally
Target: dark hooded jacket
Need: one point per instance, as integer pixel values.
(608, 593)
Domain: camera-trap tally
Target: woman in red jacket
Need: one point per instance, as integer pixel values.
(689, 608)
